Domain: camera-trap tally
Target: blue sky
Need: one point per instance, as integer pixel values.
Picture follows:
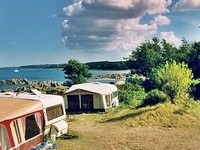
(48, 32)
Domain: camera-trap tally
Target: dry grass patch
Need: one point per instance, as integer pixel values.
(164, 126)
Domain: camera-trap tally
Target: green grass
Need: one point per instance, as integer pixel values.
(166, 115)
(126, 128)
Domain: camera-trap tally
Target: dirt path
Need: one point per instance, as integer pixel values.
(93, 134)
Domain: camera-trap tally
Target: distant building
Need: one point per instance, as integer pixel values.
(91, 97)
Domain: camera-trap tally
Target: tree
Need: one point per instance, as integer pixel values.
(184, 51)
(146, 56)
(174, 79)
(194, 60)
(76, 73)
(169, 52)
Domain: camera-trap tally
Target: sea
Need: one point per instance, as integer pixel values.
(57, 75)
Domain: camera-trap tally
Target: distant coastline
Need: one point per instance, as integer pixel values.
(101, 65)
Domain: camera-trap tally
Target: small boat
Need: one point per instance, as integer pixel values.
(16, 70)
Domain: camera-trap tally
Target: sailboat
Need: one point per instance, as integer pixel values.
(16, 70)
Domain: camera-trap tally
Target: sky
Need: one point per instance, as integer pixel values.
(55, 31)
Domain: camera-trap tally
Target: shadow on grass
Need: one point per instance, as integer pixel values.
(130, 115)
(69, 136)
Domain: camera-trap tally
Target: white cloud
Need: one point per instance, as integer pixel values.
(73, 9)
(105, 25)
(115, 9)
(161, 20)
(171, 38)
(183, 5)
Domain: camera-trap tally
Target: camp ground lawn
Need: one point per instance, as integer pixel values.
(116, 131)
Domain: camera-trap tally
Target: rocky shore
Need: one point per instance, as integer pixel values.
(110, 76)
(48, 87)
(23, 85)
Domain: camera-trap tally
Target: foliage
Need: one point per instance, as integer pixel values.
(184, 51)
(194, 60)
(154, 54)
(169, 52)
(174, 79)
(76, 72)
(154, 97)
(106, 65)
(195, 88)
(145, 57)
(131, 94)
(135, 79)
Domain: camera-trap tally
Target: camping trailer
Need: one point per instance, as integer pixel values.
(21, 123)
(53, 110)
(91, 97)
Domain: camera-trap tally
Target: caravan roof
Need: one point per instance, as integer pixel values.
(100, 88)
(12, 107)
(47, 100)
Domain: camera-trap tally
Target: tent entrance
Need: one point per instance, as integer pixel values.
(87, 102)
(73, 103)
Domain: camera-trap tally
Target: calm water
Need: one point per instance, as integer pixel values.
(45, 74)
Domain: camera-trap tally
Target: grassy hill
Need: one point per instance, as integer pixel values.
(164, 126)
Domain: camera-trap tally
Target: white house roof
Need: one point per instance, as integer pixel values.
(100, 88)
(47, 100)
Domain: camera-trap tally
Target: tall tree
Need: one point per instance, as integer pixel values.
(184, 51)
(154, 54)
(76, 72)
(169, 52)
(194, 60)
(146, 56)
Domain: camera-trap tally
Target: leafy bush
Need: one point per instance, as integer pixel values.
(154, 97)
(130, 94)
(195, 89)
(174, 79)
(135, 79)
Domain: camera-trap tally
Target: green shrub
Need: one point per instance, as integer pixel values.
(135, 79)
(195, 89)
(130, 94)
(174, 79)
(154, 97)
(125, 97)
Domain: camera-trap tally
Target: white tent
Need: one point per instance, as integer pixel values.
(91, 97)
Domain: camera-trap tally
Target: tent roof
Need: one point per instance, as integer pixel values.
(12, 107)
(100, 88)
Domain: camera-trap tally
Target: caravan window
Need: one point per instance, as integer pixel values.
(108, 102)
(17, 131)
(54, 112)
(115, 94)
(32, 127)
(27, 127)
(4, 141)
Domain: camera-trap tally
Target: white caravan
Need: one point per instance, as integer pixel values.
(53, 109)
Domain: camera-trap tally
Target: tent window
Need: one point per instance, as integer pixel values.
(4, 142)
(108, 103)
(87, 102)
(54, 112)
(115, 94)
(32, 128)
